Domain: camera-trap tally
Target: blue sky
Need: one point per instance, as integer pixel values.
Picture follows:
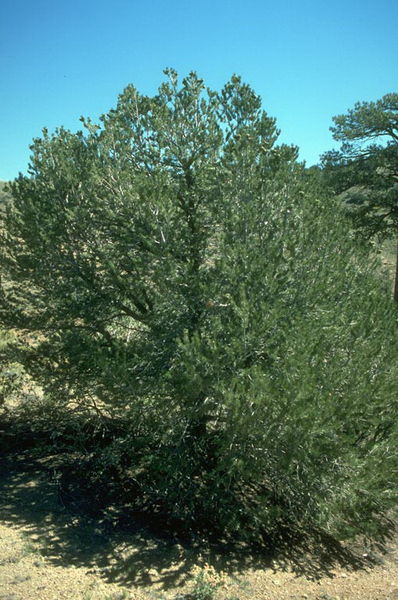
(309, 60)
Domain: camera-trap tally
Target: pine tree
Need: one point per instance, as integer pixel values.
(366, 168)
(187, 280)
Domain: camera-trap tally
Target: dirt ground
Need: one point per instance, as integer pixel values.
(49, 552)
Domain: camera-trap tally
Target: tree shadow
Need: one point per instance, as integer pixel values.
(126, 548)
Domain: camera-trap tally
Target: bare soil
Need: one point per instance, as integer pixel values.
(50, 552)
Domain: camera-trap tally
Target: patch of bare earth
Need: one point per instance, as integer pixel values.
(49, 552)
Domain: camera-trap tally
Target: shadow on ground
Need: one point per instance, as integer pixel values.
(128, 552)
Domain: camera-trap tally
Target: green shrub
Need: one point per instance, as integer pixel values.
(190, 284)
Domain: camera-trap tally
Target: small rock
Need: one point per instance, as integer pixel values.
(21, 578)
(38, 563)
(326, 596)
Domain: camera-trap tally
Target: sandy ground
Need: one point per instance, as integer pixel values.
(47, 552)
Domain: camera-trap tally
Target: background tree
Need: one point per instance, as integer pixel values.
(367, 172)
(187, 280)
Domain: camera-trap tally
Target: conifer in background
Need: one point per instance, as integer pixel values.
(365, 171)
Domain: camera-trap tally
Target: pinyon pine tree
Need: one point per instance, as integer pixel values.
(186, 280)
(365, 171)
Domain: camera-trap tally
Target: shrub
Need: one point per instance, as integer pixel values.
(189, 282)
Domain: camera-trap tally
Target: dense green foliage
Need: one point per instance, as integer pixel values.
(4, 195)
(9, 372)
(185, 279)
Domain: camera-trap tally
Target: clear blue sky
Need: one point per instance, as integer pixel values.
(308, 59)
